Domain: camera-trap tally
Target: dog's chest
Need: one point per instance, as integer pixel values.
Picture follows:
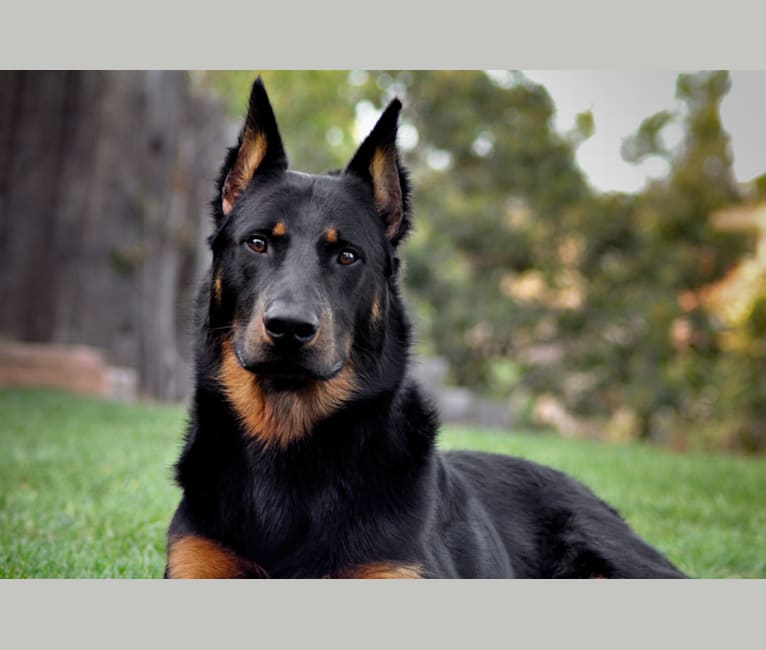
(283, 525)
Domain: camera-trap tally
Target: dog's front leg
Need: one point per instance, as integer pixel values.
(192, 556)
(380, 570)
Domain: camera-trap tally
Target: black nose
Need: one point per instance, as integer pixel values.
(290, 324)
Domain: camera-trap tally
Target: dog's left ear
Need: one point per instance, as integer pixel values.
(377, 162)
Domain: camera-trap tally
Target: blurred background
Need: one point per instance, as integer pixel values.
(589, 253)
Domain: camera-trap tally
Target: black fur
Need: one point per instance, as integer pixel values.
(366, 484)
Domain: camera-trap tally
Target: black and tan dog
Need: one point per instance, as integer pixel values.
(310, 452)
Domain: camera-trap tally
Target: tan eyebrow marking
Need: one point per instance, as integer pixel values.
(279, 229)
(332, 235)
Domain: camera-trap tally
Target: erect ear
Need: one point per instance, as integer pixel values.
(377, 162)
(259, 148)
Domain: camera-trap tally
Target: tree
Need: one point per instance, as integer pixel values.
(660, 347)
(104, 183)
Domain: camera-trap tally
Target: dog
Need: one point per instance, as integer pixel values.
(310, 451)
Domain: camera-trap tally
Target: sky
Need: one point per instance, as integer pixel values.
(620, 100)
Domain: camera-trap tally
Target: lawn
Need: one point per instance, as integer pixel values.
(86, 489)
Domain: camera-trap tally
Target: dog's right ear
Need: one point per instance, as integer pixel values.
(259, 148)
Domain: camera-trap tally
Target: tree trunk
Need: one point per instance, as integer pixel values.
(104, 184)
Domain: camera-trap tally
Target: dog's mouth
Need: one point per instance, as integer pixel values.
(286, 373)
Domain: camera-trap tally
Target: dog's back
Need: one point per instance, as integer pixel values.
(550, 525)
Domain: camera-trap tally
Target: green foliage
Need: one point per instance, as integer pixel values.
(594, 297)
(86, 490)
(760, 186)
(585, 127)
(646, 140)
(665, 365)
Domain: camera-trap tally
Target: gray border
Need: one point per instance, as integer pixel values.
(652, 34)
(386, 614)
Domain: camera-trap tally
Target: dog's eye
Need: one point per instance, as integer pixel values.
(347, 257)
(257, 244)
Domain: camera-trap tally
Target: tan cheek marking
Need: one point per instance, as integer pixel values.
(332, 235)
(281, 418)
(382, 570)
(192, 556)
(279, 229)
(375, 312)
(218, 287)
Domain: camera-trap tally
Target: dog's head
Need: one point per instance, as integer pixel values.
(303, 264)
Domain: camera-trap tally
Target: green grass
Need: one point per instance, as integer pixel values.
(86, 489)
(706, 513)
(85, 486)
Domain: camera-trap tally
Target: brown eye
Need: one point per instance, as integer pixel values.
(257, 244)
(347, 257)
